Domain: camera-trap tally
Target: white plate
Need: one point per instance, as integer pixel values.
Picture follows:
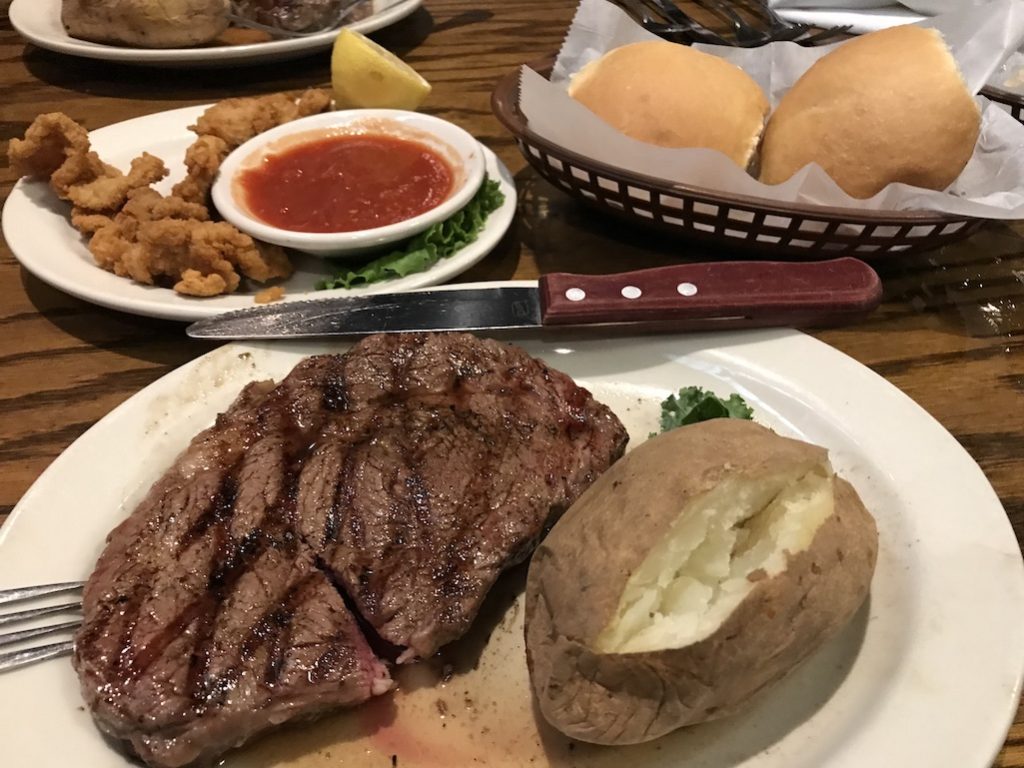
(38, 21)
(38, 230)
(928, 674)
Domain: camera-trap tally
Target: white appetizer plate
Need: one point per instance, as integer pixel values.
(38, 21)
(38, 230)
(927, 674)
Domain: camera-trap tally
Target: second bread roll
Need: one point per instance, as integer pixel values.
(887, 107)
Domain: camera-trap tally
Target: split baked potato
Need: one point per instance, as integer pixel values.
(698, 570)
(146, 23)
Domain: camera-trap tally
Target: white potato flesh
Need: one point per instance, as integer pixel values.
(700, 572)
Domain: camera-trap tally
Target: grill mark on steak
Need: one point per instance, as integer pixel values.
(222, 507)
(419, 496)
(378, 644)
(202, 613)
(341, 500)
(335, 394)
(361, 509)
(131, 607)
(273, 631)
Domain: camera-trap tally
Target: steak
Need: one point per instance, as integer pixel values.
(364, 506)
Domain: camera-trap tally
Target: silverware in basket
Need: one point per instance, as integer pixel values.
(749, 24)
(27, 615)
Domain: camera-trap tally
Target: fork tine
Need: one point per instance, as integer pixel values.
(31, 613)
(21, 658)
(24, 593)
(788, 34)
(677, 15)
(827, 35)
(10, 638)
(679, 26)
(724, 12)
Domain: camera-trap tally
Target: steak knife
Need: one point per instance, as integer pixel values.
(702, 296)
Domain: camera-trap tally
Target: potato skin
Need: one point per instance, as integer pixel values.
(146, 23)
(578, 573)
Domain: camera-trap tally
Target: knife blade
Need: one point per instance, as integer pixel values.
(699, 296)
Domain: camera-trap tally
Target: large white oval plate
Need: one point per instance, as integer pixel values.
(38, 230)
(928, 674)
(38, 21)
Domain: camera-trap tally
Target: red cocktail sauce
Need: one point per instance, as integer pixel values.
(346, 183)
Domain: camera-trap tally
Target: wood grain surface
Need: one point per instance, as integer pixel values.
(949, 333)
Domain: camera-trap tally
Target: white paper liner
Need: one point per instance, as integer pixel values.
(981, 38)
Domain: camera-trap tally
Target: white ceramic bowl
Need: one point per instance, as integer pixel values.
(463, 153)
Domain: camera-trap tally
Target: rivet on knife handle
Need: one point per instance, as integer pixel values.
(750, 293)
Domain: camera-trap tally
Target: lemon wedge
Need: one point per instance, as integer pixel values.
(365, 75)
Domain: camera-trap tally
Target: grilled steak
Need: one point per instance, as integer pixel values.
(445, 460)
(206, 619)
(396, 481)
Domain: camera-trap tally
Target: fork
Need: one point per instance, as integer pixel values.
(681, 28)
(665, 19)
(236, 18)
(747, 36)
(784, 30)
(18, 658)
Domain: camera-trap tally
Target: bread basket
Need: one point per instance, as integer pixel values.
(726, 220)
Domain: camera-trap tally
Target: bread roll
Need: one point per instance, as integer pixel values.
(886, 107)
(673, 96)
(146, 23)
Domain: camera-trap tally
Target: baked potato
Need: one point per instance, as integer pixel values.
(146, 23)
(699, 569)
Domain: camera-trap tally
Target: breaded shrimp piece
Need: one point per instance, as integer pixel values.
(108, 193)
(146, 204)
(202, 159)
(156, 239)
(265, 262)
(238, 120)
(48, 142)
(87, 222)
(80, 168)
(174, 247)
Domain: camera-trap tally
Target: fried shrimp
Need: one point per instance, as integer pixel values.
(160, 240)
(57, 148)
(109, 190)
(138, 233)
(238, 120)
(202, 160)
(48, 143)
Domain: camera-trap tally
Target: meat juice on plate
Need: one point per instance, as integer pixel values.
(469, 705)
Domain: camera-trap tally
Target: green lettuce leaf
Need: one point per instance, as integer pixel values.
(694, 404)
(427, 248)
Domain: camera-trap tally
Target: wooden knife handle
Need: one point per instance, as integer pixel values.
(721, 293)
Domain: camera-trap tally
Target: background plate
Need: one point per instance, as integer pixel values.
(38, 21)
(927, 674)
(38, 230)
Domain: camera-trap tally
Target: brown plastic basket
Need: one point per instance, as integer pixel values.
(735, 221)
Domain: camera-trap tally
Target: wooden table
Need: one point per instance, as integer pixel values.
(948, 334)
